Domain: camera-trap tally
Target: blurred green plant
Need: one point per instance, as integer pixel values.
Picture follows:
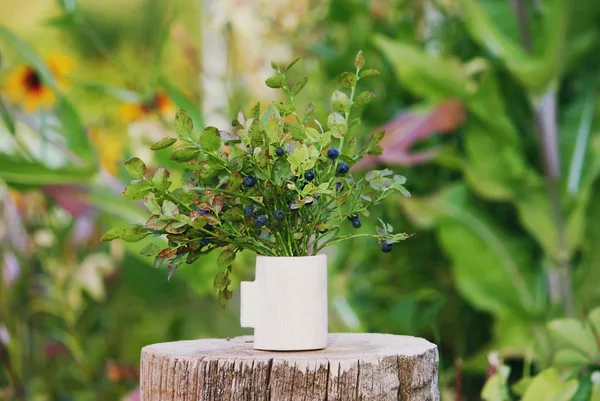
(516, 196)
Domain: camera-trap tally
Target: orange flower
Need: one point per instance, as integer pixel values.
(110, 147)
(25, 84)
(160, 103)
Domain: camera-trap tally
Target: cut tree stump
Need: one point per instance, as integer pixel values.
(353, 367)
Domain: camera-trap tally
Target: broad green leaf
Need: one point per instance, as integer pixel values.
(359, 61)
(536, 70)
(136, 168)
(226, 258)
(150, 250)
(169, 208)
(9, 122)
(573, 334)
(185, 154)
(548, 386)
(313, 135)
(434, 78)
(337, 125)
(370, 73)
(183, 124)
(347, 79)
(210, 140)
(17, 171)
(112, 234)
(492, 269)
(163, 143)
(340, 102)
(364, 98)
(137, 190)
(134, 234)
(160, 179)
(299, 86)
(276, 81)
(496, 387)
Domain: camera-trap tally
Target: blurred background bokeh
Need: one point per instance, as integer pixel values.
(491, 112)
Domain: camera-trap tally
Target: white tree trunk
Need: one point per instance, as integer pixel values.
(374, 367)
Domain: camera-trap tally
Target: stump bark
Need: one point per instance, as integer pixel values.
(353, 367)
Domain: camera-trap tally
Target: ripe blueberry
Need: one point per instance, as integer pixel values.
(387, 246)
(261, 220)
(249, 210)
(339, 186)
(279, 152)
(333, 153)
(343, 168)
(279, 215)
(309, 175)
(249, 181)
(356, 223)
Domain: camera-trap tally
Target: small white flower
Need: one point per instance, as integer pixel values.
(595, 377)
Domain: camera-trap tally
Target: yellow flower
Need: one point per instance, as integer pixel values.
(110, 149)
(160, 103)
(25, 84)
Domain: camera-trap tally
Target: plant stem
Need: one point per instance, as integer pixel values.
(16, 382)
(559, 276)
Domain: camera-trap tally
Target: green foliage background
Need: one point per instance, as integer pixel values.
(502, 272)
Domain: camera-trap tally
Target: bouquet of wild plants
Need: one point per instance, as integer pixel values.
(279, 185)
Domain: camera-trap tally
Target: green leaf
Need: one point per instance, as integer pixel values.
(9, 122)
(299, 86)
(136, 190)
(496, 387)
(276, 81)
(136, 168)
(226, 258)
(134, 234)
(473, 242)
(112, 234)
(163, 143)
(169, 208)
(151, 204)
(548, 386)
(364, 98)
(348, 80)
(255, 112)
(210, 140)
(359, 61)
(150, 250)
(434, 78)
(160, 179)
(313, 135)
(340, 102)
(337, 125)
(573, 334)
(292, 63)
(309, 113)
(220, 285)
(183, 124)
(185, 154)
(368, 74)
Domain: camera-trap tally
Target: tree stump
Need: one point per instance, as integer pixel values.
(353, 367)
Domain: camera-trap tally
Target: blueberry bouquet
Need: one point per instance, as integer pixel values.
(279, 184)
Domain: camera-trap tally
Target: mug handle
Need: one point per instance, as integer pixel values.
(248, 304)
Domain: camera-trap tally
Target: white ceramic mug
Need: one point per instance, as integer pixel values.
(287, 303)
